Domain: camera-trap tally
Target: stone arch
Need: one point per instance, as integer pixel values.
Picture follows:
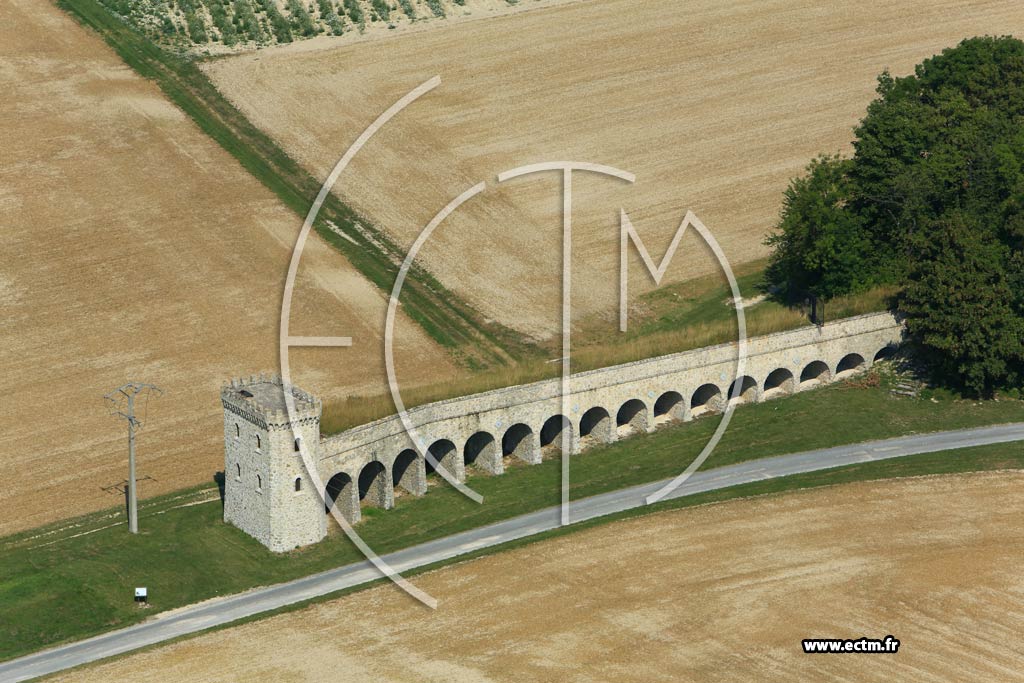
(481, 451)
(596, 424)
(744, 389)
(668, 407)
(373, 484)
(631, 418)
(885, 353)
(340, 492)
(520, 441)
(814, 373)
(779, 382)
(407, 472)
(707, 399)
(555, 428)
(447, 457)
(850, 364)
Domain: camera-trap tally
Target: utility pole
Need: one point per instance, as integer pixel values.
(122, 404)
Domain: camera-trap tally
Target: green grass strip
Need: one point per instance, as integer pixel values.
(61, 584)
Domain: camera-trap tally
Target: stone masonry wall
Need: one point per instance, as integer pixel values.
(514, 422)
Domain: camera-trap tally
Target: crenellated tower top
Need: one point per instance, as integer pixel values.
(260, 400)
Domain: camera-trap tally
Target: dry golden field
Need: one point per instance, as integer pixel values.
(135, 248)
(714, 105)
(723, 592)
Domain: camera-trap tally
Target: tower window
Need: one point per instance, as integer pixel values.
(258, 444)
(297, 441)
(238, 472)
(238, 430)
(298, 483)
(259, 482)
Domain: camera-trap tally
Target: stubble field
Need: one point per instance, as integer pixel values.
(714, 106)
(722, 592)
(136, 249)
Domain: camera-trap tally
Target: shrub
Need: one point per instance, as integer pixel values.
(278, 24)
(248, 24)
(355, 12)
(330, 17)
(382, 9)
(219, 14)
(435, 7)
(300, 19)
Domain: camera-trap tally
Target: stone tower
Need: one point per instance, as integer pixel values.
(267, 492)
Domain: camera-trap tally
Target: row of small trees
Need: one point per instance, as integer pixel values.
(259, 21)
(932, 201)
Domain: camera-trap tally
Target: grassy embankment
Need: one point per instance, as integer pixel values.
(448, 320)
(74, 579)
(678, 317)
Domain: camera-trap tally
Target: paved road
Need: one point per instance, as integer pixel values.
(222, 611)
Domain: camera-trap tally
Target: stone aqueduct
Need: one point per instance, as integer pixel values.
(268, 493)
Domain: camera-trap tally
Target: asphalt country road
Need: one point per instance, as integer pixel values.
(187, 620)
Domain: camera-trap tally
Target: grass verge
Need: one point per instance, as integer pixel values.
(61, 583)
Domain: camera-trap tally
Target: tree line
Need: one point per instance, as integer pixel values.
(932, 201)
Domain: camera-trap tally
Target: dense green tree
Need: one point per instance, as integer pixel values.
(820, 248)
(960, 306)
(933, 199)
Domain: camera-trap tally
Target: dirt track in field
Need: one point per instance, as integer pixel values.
(719, 593)
(135, 248)
(714, 105)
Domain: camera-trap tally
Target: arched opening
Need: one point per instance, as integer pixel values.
(481, 451)
(596, 425)
(519, 442)
(238, 431)
(778, 383)
(258, 443)
(743, 390)
(555, 429)
(238, 470)
(707, 399)
(885, 353)
(259, 483)
(815, 373)
(669, 406)
(298, 483)
(405, 472)
(850, 364)
(631, 418)
(373, 484)
(339, 493)
(444, 453)
(298, 444)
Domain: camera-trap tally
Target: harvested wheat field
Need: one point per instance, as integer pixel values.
(713, 105)
(135, 248)
(719, 593)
